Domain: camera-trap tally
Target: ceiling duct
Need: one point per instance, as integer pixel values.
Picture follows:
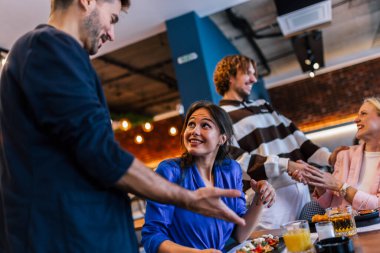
(297, 16)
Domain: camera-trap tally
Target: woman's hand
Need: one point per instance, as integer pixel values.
(322, 179)
(265, 192)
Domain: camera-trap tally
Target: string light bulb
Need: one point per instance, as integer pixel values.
(139, 139)
(173, 131)
(147, 127)
(125, 125)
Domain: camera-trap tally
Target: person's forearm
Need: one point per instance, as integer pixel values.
(321, 156)
(350, 194)
(171, 247)
(252, 217)
(275, 166)
(142, 181)
(253, 164)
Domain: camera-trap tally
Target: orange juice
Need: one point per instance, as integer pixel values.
(297, 240)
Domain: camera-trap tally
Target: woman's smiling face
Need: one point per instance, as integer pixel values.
(367, 122)
(202, 136)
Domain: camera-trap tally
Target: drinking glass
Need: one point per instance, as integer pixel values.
(342, 220)
(297, 237)
(325, 229)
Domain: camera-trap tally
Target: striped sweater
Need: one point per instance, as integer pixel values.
(265, 141)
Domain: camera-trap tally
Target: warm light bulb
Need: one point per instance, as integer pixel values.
(173, 131)
(147, 127)
(316, 66)
(139, 139)
(125, 125)
(307, 62)
(311, 74)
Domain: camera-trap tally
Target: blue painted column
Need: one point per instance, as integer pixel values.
(196, 46)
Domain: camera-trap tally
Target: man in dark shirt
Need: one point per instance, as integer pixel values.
(64, 178)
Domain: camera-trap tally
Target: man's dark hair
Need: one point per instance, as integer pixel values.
(222, 120)
(63, 4)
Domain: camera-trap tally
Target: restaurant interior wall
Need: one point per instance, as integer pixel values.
(207, 44)
(158, 144)
(326, 100)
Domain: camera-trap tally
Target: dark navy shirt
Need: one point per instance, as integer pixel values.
(168, 222)
(60, 156)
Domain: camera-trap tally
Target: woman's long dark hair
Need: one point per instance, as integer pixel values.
(222, 120)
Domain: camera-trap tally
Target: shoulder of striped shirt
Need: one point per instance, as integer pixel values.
(230, 108)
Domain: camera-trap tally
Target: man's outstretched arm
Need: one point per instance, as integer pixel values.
(144, 182)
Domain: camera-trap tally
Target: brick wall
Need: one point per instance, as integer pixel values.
(328, 98)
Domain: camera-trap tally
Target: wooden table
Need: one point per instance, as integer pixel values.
(367, 242)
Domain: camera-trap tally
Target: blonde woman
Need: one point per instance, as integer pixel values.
(356, 177)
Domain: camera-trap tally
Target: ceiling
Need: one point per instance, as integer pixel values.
(137, 72)
(353, 33)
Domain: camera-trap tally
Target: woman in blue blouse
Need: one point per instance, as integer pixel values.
(205, 136)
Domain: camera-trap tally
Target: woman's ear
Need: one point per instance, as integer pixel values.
(223, 139)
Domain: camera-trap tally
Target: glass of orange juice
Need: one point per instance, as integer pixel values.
(297, 237)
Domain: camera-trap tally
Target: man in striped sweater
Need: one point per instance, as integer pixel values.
(267, 145)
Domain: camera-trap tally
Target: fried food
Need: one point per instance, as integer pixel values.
(367, 211)
(319, 218)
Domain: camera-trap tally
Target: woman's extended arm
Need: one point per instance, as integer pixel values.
(358, 199)
(265, 195)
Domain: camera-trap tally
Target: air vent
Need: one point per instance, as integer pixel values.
(306, 18)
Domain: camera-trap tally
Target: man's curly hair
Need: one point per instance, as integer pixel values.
(227, 68)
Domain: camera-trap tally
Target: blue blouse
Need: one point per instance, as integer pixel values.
(168, 222)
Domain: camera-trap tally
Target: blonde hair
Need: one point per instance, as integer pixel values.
(375, 101)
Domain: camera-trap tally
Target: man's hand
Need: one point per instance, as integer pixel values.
(334, 154)
(296, 170)
(207, 201)
(265, 192)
